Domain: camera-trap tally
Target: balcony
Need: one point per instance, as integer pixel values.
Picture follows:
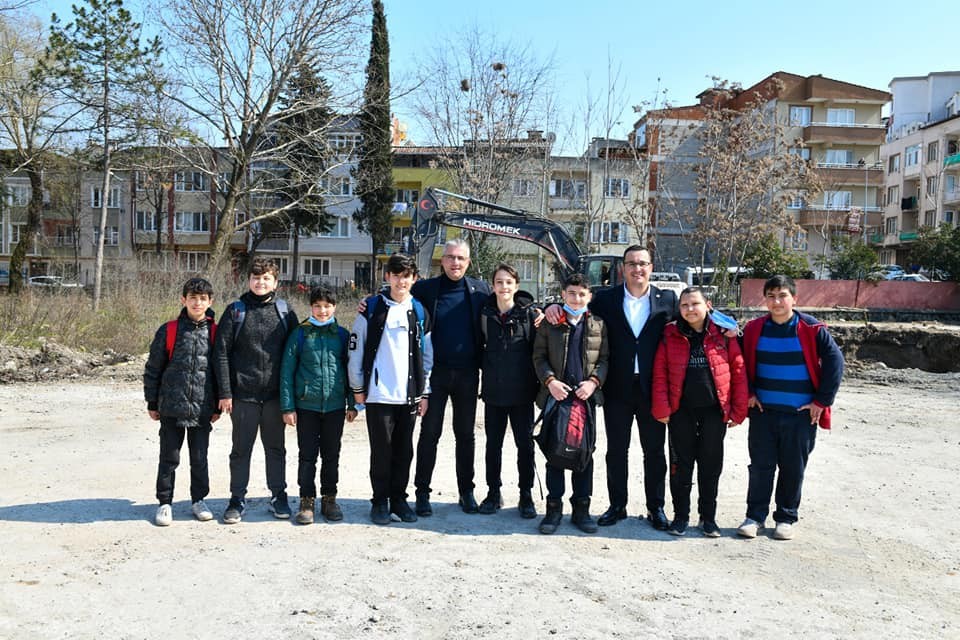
(876, 238)
(828, 132)
(819, 216)
(908, 204)
(952, 161)
(275, 242)
(908, 236)
(951, 196)
(838, 174)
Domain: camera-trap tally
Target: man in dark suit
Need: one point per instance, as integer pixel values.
(635, 315)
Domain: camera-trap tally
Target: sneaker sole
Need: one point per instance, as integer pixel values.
(279, 516)
(203, 517)
(227, 520)
(163, 523)
(712, 534)
(780, 536)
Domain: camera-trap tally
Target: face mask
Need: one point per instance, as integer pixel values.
(318, 323)
(573, 312)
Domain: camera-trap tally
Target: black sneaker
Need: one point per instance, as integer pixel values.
(526, 507)
(677, 528)
(380, 513)
(491, 504)
(402, 510)
(424, 510)
(279, 506)
(234, 512)
(710, 528)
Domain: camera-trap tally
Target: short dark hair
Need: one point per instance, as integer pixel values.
(576, 280)
(197, 286)
(401, 264)
(260, 266)
(320, 293)
(637, 247)
(780, 282)
(703, 291)
(503, 266)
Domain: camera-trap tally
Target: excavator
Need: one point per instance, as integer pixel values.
(601, 270)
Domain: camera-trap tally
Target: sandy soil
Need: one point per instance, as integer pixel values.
(877, 555)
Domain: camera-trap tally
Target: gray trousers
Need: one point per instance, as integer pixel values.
(246, 418)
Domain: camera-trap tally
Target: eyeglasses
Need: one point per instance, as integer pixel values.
(639, 264)
(456, 258)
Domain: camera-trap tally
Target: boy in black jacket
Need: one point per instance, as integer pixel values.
(249, 350)
(179, 388)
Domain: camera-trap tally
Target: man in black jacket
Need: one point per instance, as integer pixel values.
(454, 302)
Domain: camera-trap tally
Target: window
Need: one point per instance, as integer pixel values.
(193, 260)
(316, 267)
(798, 200)
(933, 151)
(797, 241)
(340, 228)
(572, 189)
(800, 116)
(111, 236)
(930, 218)
(841, 116)
(524, 267)
(803, 152)
(616, 188)
(239, 217)
(337, 185)
(893, 194)
(893, 163)
(524, 187)
(282, 263)
(18, 195)
(612, 232)
(950, 182)
(891, 226)
(146, 221)
(65, 235)
(948, 217)
(223, 180)
(911, 156)
(408, 195)
(152, 261)
(113, 202)
(839, 157)
(191, 221)
(16, 230)
(344, 144)
(836, 199)
(932, 186)
(190, 181)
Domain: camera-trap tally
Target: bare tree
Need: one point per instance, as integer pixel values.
(242, 56)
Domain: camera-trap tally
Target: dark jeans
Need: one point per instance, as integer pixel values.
(460, 386)
(495, 425)
(696, 436)
(784, 441)
(619, 414)
(248, 418)
(171, 440)
(319, 434)
(390, 428)
(582, 482)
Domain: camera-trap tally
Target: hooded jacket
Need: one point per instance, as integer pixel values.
(313, 375)
(550, 354)
(507, 357)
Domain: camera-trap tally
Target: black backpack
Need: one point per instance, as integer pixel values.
(568, 435)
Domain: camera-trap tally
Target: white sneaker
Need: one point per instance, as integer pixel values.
(164, 515)
(749, 528)
(201, 512)
(784, 531)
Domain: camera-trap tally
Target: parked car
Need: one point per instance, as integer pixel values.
(667, 280)
(910, 277)
(885, 272)
(53, 282)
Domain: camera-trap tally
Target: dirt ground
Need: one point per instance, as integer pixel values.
(877, 552)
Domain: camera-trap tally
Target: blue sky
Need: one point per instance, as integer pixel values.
(683, 45)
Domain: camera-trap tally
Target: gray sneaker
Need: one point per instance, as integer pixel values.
(164, 515)
(201, 512)
(279, 506)
(749, 528)
(234, 512)
(783, 531)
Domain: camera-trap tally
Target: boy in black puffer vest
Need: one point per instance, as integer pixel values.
(180, 390)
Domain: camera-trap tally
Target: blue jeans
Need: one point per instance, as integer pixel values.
(779, 443)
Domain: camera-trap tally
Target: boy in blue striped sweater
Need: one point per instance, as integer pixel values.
(794, 369)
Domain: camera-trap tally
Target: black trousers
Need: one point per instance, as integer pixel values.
(696, 437)
(779, 443)
(495, 425)
(248, 419)
(319, 434)
(390, 428)
(171, 441)
(619, 414)
(460, 386)
(582, 482)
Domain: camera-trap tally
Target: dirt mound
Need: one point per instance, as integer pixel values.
(52, 361)
(923, 346)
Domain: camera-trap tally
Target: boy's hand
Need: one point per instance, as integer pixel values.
(359, 398)
(422, 407)
(226, 405)
(665, 421)
(290, 418)
(538, 318)
(352, 415)
(558, 389)
(552, 314)
(753, 402)
(362, 306)
(154, 415)
(214, 418)
(585, 389)
(815, 411)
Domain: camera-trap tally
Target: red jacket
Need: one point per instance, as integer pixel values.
(726, 366)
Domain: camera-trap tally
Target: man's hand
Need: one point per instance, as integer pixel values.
(585, 389)
(538, 318)
(214, 418)
(422, 407)
(290, 418)
(815, 411)
(359, 398)
(352, 415)
(753, 402)
(559, 390)
(552, 314)
(226, 405)
(154, 415)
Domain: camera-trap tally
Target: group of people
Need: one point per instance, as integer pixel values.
(646, 355)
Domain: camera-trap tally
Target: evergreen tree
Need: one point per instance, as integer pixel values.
(374, 171)
(99, 64)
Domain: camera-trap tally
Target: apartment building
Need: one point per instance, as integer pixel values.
(921, 158)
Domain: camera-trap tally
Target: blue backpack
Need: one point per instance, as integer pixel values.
(238, 311)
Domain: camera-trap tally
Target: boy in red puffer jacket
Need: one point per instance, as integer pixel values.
(699, 388)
